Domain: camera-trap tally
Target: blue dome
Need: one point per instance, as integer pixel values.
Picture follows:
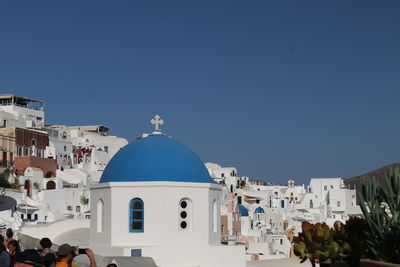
(259, 210)
(243, 211)
(156, 158)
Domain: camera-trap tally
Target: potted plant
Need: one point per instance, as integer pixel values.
(316, 243)
(84, 200)
(352, 234)
(355, 234)
(382, 212)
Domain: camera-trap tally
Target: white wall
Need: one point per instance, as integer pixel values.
(12, 120)
(162, 239)
(53, 230)
(27, 114)
(59, 199)
(63, 149)
(321, 186)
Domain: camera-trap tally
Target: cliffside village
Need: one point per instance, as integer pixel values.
(55, 173)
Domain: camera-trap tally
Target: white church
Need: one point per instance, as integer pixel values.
(156, 199)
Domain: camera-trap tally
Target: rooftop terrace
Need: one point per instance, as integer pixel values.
(8, 100)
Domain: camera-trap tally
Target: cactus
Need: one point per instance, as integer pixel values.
(382, 210)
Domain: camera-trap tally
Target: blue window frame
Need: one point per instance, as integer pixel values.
(136, 216)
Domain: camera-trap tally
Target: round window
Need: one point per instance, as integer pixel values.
(183, 204)
(183, 224)
(183, 214)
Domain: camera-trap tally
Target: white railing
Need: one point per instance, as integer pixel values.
(23, 106)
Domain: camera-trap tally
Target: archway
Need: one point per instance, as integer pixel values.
(50, 185)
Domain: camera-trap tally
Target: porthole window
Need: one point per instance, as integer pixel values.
(183, 224)
(185, 214)
(183, 204)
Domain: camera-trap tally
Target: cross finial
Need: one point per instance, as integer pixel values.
(157, 121)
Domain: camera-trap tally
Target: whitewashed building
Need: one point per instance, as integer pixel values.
(30, 110)
(156, 199)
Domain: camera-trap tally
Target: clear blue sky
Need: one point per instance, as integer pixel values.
(279, 89)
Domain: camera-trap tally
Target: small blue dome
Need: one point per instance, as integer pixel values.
(243, 210)
(156, 158)
(259, 210)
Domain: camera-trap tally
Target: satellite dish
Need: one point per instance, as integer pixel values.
(7, 203)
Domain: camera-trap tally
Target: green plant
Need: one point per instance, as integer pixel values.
(16, 184)
(4, 180)
(316, 242)
(382, 212)
(355, 229)
(84, 200)
(351, 237)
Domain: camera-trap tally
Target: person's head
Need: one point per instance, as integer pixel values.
(13, 247)
(9, 233)
(112, 265)
(66, 253)
(45, 243)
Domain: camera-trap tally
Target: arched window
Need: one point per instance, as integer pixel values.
(100, 216)
(215, 216)
(311, 204)
(136, 216)
(185, 214)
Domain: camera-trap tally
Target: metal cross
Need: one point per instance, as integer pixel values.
(157, 121)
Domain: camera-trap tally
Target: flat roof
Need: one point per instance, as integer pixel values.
(83, 128)
(20, 98)
(90, 127)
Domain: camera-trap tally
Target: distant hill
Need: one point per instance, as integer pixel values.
(379, 174)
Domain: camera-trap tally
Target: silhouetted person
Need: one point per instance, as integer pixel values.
(4, 257)
(45, 250)
(10, 235)
(13, 250)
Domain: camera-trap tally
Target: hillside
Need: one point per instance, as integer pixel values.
(379, 174)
